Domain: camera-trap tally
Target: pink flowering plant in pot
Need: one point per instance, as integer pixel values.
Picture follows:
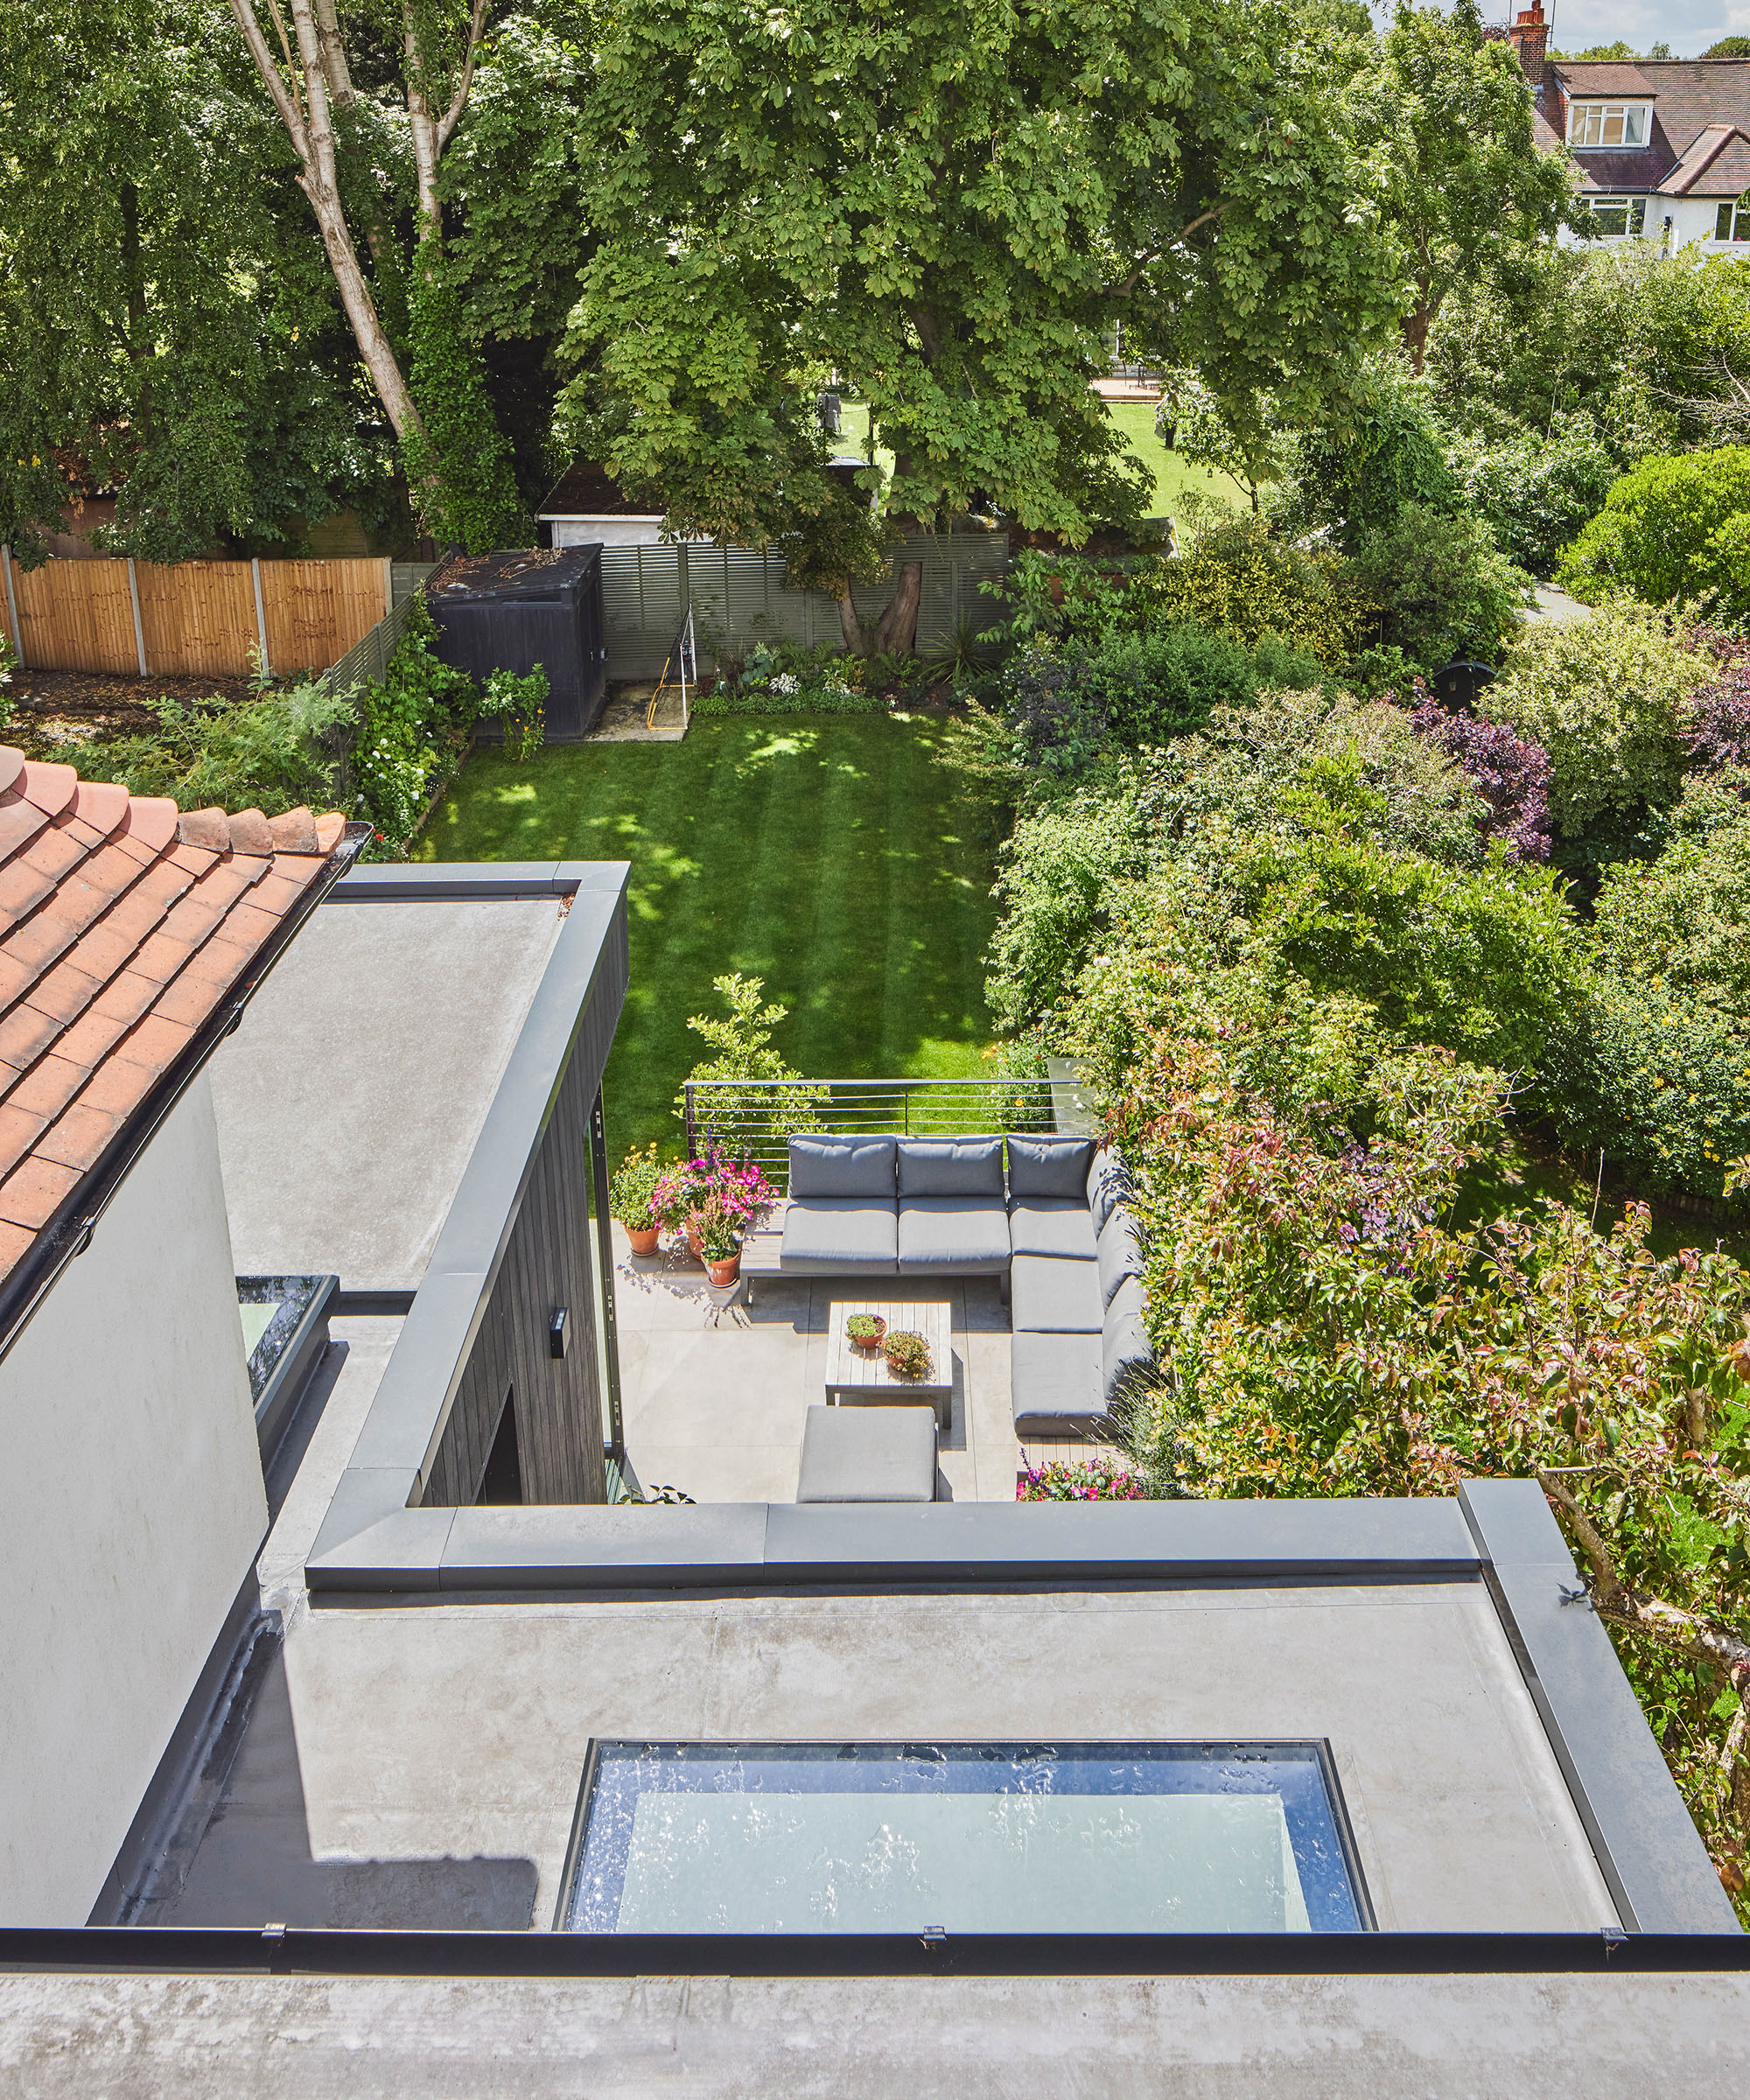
(1078, 1480)
(735, 1187)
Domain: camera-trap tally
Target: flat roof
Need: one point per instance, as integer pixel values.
(417, 1767)
(350, 1099)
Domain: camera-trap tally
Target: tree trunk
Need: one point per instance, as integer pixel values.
(896, 632)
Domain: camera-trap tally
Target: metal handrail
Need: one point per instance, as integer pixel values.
(755, 1118)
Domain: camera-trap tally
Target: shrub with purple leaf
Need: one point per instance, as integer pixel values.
(1511, 774)
(1716, 727)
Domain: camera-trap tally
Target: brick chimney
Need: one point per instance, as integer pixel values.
(1529, 37)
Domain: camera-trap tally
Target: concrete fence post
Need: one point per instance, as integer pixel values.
(12, 607)
(266, 669)
(139, 630)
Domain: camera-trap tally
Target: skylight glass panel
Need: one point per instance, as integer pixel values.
(963, 1837)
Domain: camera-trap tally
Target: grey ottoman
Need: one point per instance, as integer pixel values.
(868, 1454)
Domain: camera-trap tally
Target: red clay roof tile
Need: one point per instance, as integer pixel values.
(48, 1086)
(101, 804)
(119, 942)
(51, 788)
(79, 1138)
(19, 1131)
(35, 1190)
(64, 993)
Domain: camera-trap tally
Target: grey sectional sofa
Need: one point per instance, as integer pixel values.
(1054, 1228)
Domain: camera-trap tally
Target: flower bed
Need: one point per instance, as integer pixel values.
(1078, 1480)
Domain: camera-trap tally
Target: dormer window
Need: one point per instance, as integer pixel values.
(1608, 123)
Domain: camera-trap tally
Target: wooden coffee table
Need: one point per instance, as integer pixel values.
(861, 1376)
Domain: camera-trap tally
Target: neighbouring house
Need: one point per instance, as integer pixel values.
(587, 505)
(131, 1501)
(1661, 146)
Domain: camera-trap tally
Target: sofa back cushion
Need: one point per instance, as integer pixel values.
(843, 1166)
(1108, 1183)
(1050, 1167)
(951, 1166)
(1119, 1251)
(1124, 1344)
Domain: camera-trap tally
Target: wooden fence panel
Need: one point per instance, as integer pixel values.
(199, 618)
(75, 616)
(317, 610)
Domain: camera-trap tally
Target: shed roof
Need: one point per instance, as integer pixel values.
(124, 921)
(586, 490)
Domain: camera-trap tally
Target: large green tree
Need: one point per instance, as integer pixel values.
(951, 206)
(1468, 185)
(167, 327)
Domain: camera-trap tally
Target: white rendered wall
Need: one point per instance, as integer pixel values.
(131, 1507)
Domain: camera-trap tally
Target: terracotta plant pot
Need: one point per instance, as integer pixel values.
(696, 1246)
(646, 1242)
(873, 1343)
(727, 1271)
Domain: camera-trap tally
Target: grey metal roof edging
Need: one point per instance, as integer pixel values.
(1648, 1850)
(372, 1505)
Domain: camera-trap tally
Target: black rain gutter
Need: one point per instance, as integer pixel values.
(68, 1230)
(291, 1950)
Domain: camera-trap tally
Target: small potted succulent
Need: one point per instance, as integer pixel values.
(907, 1354)
(719, 1231)
(631, 1195)
(865, 1330)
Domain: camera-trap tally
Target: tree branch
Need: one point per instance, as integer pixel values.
(292, 113)
(451, 116)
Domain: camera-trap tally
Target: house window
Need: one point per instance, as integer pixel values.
(1607, 124)
(1619, 216)
(899, 1837)
(1733, 223)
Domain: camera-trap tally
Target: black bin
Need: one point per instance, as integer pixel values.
(510, 611)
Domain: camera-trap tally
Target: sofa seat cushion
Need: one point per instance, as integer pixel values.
(1050, 1167)
(1120, 1253)
(1048, 1225)
(840, 1229)
(843, 1166)
(1054, 1294)
(970, 1234)
(1055, 1385)
(868, 1454)
(951, 1166)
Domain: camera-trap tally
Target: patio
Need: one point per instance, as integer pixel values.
(714, 1403)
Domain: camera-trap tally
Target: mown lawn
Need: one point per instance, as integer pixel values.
(833, 856)
(1174, 478)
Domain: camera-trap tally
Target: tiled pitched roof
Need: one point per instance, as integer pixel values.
(1687, 96)
(123, 923)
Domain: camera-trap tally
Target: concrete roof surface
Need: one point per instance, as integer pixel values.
(350, 1099)
(124, 921)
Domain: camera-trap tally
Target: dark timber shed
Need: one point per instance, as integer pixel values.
(510, 611)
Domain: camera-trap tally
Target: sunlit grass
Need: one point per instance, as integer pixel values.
(834, 857)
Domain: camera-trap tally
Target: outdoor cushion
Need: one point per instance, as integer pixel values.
(951, 1166)
(1045, 1225)
(1054, 1295)
(842, 1166)
(868, 1454)
(840, 1228)
(1055, 1167)
(1108, 1183)
(1055, 1385)
(970, 1234)
(1125, 1342)
(1120, 1253)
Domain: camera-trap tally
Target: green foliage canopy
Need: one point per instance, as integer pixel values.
(1672, 527)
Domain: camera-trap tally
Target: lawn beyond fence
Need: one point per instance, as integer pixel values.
(834, 856)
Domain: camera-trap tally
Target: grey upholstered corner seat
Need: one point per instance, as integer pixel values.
(868, 1454)
(1061, 1226)
(1070, 1385)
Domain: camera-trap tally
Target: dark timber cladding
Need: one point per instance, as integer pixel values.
(546, 1267)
